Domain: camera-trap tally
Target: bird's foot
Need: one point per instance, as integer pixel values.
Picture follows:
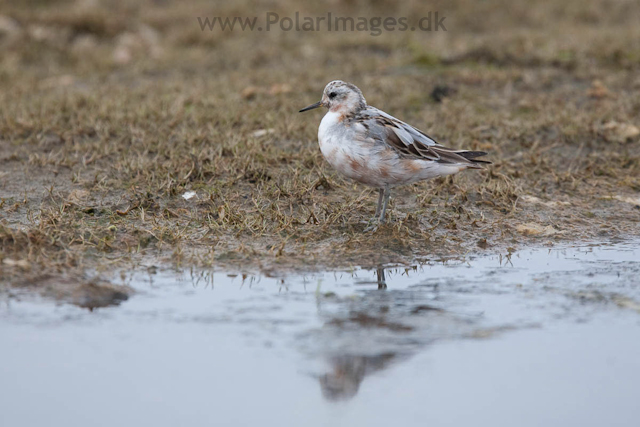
(372, 226)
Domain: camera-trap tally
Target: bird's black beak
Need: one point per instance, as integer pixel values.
(311, 107)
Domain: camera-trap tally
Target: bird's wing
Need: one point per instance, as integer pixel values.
(409, 141)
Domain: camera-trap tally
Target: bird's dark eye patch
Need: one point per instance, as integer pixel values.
(332, 95)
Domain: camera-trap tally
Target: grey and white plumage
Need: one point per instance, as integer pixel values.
(376, 149)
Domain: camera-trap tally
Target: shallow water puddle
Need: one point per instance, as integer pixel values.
(543, 337)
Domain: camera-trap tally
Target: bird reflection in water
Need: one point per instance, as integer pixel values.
(382, 281)
(343, 382)
(375, 312)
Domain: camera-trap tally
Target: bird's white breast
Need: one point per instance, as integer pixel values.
(329, 138)
(343, 152)
(326, 129)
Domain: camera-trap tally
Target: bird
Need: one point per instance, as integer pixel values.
(374, 148)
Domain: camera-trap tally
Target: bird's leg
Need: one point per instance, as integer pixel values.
(385, 202)
(380, 194)
(372, 224)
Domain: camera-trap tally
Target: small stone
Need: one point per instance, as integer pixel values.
(189, 195)
(279, 88)
(78, 196)
(22, 263)
(533, 229)
(440, 92)
(249, 92)
(619, 132)
(598, 90)
(122, 55)
(262, 132)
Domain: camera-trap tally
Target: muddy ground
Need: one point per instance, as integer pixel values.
(110, 111)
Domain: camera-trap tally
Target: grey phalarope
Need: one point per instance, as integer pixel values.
(378, 150)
